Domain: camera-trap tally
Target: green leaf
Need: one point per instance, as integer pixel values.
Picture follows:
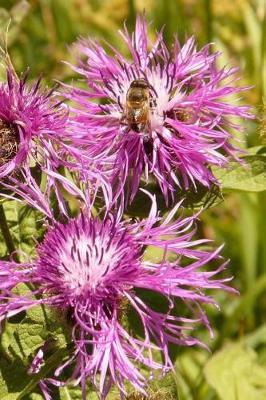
(250, 177)
(23, 339)
(257, 150)
(248, 242)
(257, 337)
(19, 344)
(189, 365)
(51, 363)
(70, 393)
(13, 378)
(35, 396)
(24, 226)
(235, 374)
(203, 197)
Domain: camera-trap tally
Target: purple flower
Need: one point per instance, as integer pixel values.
(30, 120)
(165, 113)
(33, 133)
(96, 270)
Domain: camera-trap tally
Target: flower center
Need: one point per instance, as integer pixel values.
(87, 257)
(9, 142)
(92, 260)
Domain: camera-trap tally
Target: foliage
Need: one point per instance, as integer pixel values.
(234, 372)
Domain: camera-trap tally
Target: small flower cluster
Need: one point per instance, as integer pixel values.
(163, 114)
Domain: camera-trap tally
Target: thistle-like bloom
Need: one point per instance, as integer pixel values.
(31, 118)
(93, 269)
(165, 113)
(33, 126)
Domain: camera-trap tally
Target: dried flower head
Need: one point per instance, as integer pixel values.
(9, 142)
(165, 113)
(96, 270)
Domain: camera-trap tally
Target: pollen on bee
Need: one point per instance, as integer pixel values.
(183, 115)
(9, 141)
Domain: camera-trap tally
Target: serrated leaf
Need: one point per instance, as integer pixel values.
(250, 177)
(235, 374)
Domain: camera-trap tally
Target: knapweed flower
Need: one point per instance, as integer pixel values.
(30, 119)
(96, 270)
(33, 122)
(33, 133)
(165, 113)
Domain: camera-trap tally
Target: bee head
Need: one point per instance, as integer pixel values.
(139, 83)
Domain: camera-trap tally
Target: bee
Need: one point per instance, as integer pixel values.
(137, 110)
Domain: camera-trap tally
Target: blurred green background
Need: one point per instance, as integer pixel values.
(40, 35)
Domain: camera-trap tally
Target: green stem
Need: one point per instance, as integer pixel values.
(131, 14)
(6, 233)
(263, 56)
(208, 20)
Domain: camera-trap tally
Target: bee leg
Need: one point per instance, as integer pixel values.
(148, 144)
(125, 129)
(123, 120)
(123, 124)
(146, 138)
(153, 103)
(147, 134)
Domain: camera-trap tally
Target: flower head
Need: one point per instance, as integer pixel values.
(33, 126)
(94, 269)
(165, 113)
(29, 119)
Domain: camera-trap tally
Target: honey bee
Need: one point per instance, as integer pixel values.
(137, 111)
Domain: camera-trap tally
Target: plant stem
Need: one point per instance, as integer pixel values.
(263, 55)
(5, 231)
(208, 20)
